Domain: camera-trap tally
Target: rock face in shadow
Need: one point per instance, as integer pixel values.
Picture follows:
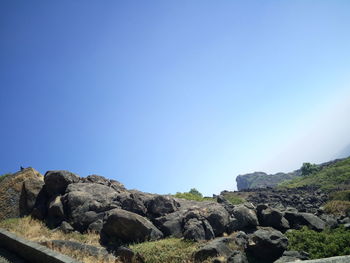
(15, 200)
(121, 226)
(267, 244)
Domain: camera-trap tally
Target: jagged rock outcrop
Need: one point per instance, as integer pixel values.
(262, 180)
(15, 199)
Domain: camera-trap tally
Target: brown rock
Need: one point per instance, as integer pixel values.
(12, 196)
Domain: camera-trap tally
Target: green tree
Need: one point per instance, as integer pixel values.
(308, 168)
(195, 192)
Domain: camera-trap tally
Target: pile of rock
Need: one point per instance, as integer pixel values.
(71, 203)
(304, 199)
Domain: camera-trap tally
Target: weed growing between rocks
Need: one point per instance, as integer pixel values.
(327, 243)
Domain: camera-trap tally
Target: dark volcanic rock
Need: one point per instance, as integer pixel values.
(267, 244)
(304, 199)
(121, 226)
(171, 224)
(237, 256)
(30, 191)
(217, 247)
(198, 230)
(97, 179)
(56, 182)
(160, 205)
(86, 203)
(55, 212)
(272, 217)
(297, 220)
(244, 218)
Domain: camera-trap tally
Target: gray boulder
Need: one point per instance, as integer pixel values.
(267, 244)
(171, 224)
(121, 226)
(160, 205)
(55, 215)
(244, 218)
(297, 220)
(292, 256)
(56, 182)
(218, 247)
(97, 179)
(198, 230)
(237, 256)
(272, 217)
(85, 203)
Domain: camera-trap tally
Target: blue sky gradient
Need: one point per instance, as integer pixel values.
(169, 95)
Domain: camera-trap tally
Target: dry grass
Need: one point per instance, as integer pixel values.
(337, 207)
(36, 231)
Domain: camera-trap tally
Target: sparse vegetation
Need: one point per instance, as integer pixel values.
(323, 244)
(3, 176)
(36, 231)
(329, 178)
(234, 198)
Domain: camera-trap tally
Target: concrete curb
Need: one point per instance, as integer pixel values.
(31, 251)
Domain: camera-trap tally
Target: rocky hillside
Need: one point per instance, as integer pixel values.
(333, 175)
(249, 232)
(262, 180)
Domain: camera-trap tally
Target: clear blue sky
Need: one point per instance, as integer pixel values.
(169, 95)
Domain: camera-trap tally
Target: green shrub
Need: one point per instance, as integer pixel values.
(323, 244)
(193, 194)
(308, 168)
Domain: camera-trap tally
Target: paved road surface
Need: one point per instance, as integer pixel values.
(7, 257)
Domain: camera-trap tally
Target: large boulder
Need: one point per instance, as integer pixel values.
(198, 230)
(55, 215)
(56, 182)
(13, 198)
(244, 218)
(298, 220)
(161, 205)
(267, 244)
(85, 203)
(218, 247)
(121, 226)
(171, 224)
(272, 217)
